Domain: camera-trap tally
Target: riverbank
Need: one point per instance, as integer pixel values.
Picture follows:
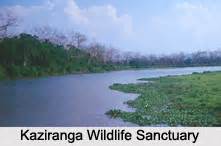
(187, 100)
(27, 56)
(4, 76)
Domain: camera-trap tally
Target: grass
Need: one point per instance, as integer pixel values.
(188, 100)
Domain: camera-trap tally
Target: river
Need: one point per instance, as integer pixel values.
(73, 100)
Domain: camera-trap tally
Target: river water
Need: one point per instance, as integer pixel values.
(73, 100)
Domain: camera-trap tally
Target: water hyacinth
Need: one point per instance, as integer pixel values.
(188, 100)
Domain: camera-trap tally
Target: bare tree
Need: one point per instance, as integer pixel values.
(110, 54)
(7, 19)
(72, 40)
(78, 39)
(127, 56)
(50, 34)
(60, 39)
(44, 32)
(97, 50)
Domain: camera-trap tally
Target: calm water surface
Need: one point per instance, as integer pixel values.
(73, 100)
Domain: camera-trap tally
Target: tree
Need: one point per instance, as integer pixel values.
(97, 50)
(50, 34)
(7, 19)
(110, 55)
(78, 39)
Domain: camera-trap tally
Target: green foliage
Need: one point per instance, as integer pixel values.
(189, 100)
(113, 113)
(27, 56)
(2, 73)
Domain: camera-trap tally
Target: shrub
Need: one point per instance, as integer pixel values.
(2, 73)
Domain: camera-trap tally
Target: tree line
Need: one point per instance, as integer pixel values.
(47, 51)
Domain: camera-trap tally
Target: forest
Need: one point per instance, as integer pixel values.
(47, 51)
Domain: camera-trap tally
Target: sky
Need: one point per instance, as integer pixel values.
(145, 26)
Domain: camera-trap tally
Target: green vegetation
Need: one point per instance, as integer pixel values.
(28, 56)
(48, 51)
(188, 100)
(2, 73)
